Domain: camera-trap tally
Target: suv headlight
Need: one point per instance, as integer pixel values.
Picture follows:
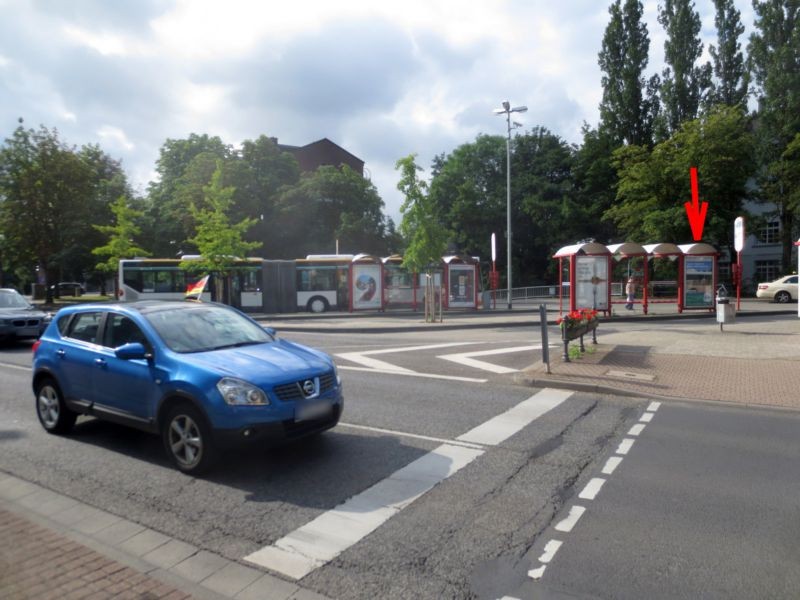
(336, 375)
(240, 393)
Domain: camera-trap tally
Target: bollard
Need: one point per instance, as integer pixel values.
(545, 342)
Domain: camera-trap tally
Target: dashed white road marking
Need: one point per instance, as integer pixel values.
(625, 446)
(321, 540)
(567, 524)
(592, 489)
(550, 550)
(467, 358)
(637, 429)
(646, 417)
(654, 406)
(611, 465)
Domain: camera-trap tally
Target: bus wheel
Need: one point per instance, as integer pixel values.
(317, 304)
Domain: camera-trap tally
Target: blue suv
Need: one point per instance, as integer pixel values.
(201, 375)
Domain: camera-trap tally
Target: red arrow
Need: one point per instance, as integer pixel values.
(695, 210)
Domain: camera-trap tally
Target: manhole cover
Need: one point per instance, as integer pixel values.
(629, 375)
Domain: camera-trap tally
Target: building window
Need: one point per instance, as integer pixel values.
(767, 270)
(771, 232)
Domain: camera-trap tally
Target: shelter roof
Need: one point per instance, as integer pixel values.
(698, 249)
(627, 249)
(592, 248)
(662, 249)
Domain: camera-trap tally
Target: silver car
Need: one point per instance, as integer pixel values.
(19, 319)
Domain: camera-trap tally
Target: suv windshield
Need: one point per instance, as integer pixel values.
(202, 328)
(12, 299)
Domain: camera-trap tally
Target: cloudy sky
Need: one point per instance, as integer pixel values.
(381, 78)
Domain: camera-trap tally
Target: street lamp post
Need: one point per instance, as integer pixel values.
(507, 110)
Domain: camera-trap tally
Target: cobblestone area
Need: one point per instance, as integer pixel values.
(39, 564)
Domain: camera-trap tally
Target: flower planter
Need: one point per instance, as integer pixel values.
(574, 326)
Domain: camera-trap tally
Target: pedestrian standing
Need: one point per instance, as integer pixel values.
(630, 292)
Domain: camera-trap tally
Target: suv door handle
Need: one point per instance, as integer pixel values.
(61, 353)
(100, 361)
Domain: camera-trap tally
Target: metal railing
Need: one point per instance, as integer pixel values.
(549, 293)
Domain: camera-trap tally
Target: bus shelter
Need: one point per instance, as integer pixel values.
(697, 278)
(366, 283)
(461, 277)
(589, 274)
(629, 252)
(399, 285)
(666, 291)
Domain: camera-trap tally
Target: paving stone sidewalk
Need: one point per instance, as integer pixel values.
(37, 563)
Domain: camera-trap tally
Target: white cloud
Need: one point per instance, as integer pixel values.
(115, 137)
(382, 79)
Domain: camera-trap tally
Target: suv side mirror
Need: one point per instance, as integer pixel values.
(132, 351)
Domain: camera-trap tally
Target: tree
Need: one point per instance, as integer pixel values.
(328, 205)
(774, 53)
(683, 83)
(630, 104)
(468, 188)
(219, 241)
(653, 185)
(595, 182)
(120, 239)
(548, 213)
(46, 190)
(184, 167)
(426, 238)
(732, 78)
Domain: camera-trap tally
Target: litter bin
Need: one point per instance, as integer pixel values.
(726, 310)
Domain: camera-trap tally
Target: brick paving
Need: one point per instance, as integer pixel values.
(37, 563)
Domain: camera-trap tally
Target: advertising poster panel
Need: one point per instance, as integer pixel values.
(366, 286)
(698, 282)
(591, 275)
(461, 279)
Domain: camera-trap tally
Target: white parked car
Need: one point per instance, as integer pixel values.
(783, 289)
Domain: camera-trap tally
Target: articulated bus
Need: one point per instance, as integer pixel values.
(317, 283)
(164, 279)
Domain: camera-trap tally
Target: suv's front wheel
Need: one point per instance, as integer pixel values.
(187, 439)
(53, 413)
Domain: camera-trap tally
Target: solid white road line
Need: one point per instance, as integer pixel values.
(413, 374)
(13, 366)
(625, 446)
(592, 489)
(322, 539)
(364, 358)
(611, 464)
(410, 435)
(466, 358)
(567, 524)
(503, 426)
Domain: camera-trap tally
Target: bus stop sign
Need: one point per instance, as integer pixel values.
(738, 234)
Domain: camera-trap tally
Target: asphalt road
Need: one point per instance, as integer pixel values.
(482, 528)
